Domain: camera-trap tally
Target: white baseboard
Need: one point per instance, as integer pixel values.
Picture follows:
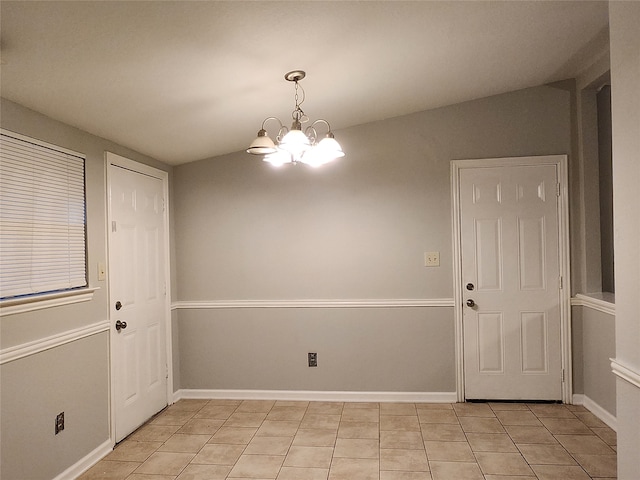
(577, 399)
(84, 464)
(304, 395)
(597, 410)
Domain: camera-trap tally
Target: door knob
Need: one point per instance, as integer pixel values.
(470, 286)
(471, 303)
(121, 325)
(118, 305)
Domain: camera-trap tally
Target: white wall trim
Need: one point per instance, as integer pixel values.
(625, 373)
(326, 396)
(31, 348)
(597, 410)
(84, 464)
(47, 300)
(329, 303)
(594, 303)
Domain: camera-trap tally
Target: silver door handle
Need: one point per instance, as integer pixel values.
(120, 325)
(471, 303)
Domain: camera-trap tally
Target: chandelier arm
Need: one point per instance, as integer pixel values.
(271, 118)
(322, 120)
(311, 133)
(281, 133)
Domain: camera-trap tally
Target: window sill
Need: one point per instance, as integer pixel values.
(30, 304)
(602, 301)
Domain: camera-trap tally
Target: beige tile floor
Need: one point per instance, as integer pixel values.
(259, 440)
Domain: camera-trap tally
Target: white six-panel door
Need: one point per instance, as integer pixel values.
(510, 269)
(137, 256)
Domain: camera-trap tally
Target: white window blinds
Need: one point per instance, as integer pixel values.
(42, 218)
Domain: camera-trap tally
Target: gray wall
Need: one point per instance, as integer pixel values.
(356, 229)
(363, 349)
(72, 377)
(599, 345)
(594, 343)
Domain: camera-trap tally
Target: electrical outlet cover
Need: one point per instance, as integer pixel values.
(431, 259)
(59, 422)
(313, 359)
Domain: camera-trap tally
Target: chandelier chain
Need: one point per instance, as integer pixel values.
(298, 114)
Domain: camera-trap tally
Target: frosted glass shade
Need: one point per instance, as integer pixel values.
(330, 147)
(262, 145)
(296, 143)
(278, 158)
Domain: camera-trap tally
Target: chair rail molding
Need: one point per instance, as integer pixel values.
(312, 303)
(596, 302)
(17, 352)
(625, 373)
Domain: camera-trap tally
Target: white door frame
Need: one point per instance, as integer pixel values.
(560, 161)
(122, 162)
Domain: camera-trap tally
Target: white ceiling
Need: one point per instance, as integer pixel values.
(182, 81)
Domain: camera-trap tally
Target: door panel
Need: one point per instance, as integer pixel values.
(510, 253)
(489, 261)
(490, 346)
(535, 347)
(531, 242)
(137, 254)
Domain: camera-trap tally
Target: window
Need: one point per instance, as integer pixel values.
(42, 218)
(606, 188)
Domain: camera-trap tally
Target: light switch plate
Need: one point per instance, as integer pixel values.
(102, 271)
(431, 259)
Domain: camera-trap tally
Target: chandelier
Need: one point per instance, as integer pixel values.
(293, 145)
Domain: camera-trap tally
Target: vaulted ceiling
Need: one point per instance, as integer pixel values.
(182, 81)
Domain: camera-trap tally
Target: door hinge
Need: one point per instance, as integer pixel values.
(113, 226)
(563, 375)
(560, 286)
(163, 205)
(558, 189)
